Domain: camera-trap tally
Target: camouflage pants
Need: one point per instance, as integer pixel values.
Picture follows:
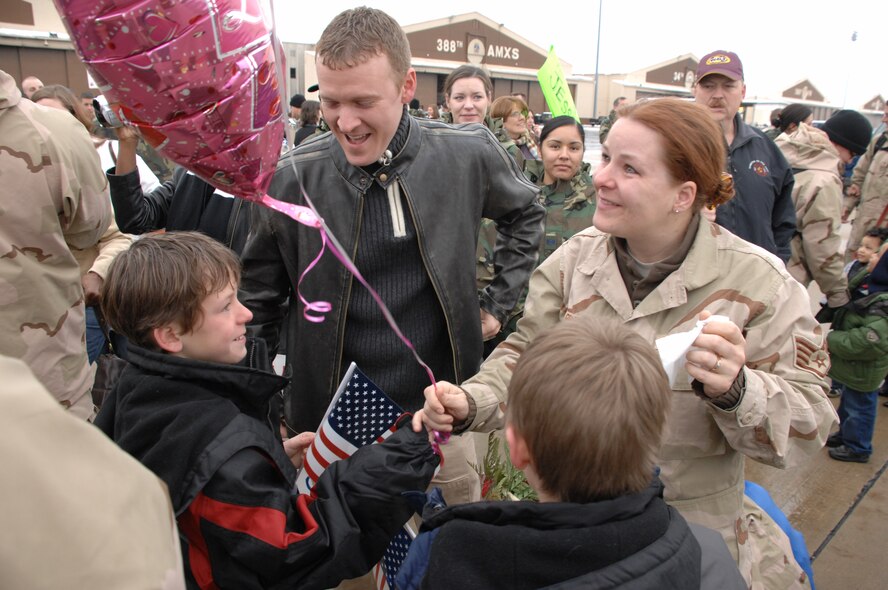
(457, 478)
(758, 544)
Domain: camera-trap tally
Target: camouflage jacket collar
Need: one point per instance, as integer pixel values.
(573, 193)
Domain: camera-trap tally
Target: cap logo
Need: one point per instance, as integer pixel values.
(717, 60)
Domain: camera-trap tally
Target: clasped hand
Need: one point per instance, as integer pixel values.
(717, 357)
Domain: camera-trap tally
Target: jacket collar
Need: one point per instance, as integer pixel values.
(536, 172)
(700, 267)
(875, 304)
(244, 384)
(743, 133)
(550, 515)
(362, 178)
(574, 188)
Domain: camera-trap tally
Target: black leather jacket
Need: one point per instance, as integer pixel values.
(185, 203)
(450, 178)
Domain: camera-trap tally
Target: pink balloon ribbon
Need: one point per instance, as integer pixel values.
(308, 216)
(314, 310)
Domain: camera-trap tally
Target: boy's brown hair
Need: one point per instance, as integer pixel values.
(164, 279)
(358, 34)
(590, 400)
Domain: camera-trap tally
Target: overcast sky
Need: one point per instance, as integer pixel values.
(780, 42)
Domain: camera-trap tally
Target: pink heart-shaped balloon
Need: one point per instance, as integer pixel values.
(201, 79)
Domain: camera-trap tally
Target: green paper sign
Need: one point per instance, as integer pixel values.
(555, 87)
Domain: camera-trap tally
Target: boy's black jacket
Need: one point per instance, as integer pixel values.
(204, 429)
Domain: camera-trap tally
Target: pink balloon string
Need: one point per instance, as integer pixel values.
(315, 310)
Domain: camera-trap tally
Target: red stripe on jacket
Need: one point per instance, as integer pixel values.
(268, 525)
(198, 554)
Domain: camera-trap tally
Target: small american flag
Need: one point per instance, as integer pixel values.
(387, 569)
(359, 414)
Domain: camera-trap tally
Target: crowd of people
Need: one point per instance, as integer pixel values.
(531, 284)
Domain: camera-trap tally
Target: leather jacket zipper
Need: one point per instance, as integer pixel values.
(433, 279)
(334, 381)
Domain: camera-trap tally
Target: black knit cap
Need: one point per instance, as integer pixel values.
(296, 101)
(849, 129)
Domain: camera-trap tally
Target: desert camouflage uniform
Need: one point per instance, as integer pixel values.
(871, 177)
(54, 193)
(98, 259)
(817, 196)
(105, 520)
(782, 418)
(569, 205)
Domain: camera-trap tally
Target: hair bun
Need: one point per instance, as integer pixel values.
(723, 192)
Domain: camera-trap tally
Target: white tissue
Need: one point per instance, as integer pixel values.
(674, 348)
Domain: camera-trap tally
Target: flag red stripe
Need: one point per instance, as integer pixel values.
(379, 578)
(321, 459)
(387, 433)
(326, 440)
(307, 466)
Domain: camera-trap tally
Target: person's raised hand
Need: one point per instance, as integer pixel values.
(446, 404)
(127, 134)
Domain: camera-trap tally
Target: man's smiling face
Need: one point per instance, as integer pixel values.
(363, 105)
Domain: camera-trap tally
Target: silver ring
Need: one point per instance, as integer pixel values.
(718, 363)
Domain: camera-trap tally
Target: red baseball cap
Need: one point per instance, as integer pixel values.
(721, 62)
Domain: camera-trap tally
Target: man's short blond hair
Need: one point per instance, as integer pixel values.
(358, 34)
(590, 399)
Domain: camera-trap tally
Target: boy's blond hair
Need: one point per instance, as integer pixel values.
(164, 279)
(358, 34)
(590, 398)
